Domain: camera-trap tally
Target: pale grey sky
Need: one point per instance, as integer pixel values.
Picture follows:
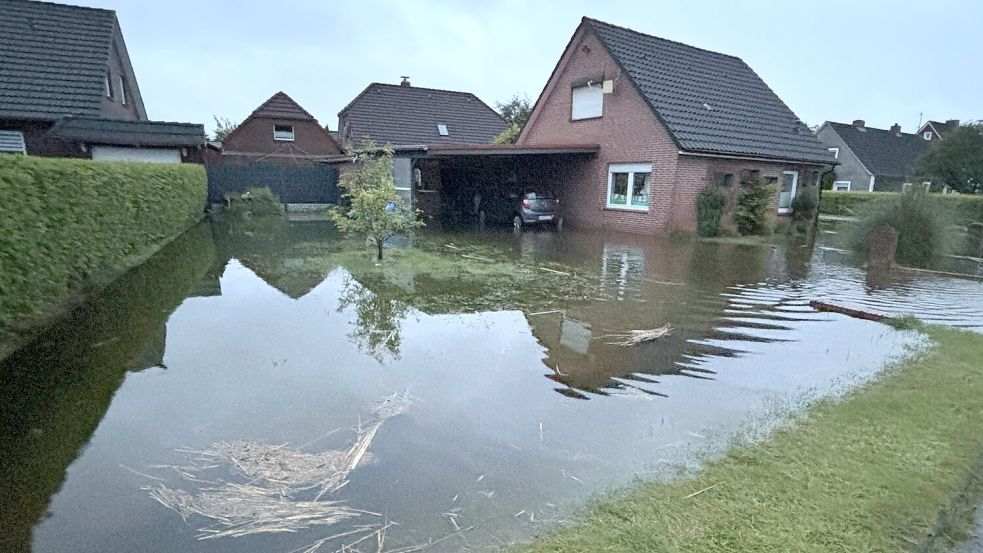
(882, 61)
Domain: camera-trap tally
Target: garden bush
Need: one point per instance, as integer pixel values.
(255, 202)
(960, 209)
(923, 236)
(804, 206)
(753, 204)
(67, 223)
(709, 208)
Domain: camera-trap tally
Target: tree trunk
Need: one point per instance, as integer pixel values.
(378, 245)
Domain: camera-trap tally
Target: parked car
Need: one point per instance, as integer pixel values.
(527, 208)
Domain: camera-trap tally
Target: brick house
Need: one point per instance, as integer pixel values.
(279, 131)
(670, 120)
(69, 90)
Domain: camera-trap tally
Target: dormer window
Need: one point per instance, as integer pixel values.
(927, 135)
(283, 133)
(587, 102)
(442, 130)
(109, 85)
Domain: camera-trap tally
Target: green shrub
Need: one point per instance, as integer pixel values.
(254, 202)
(960, 209)
(923, 236)
(804, 206)
(709, 208)
(751, 216)
(65, 223)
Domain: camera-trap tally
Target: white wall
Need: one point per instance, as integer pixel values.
(146, 155)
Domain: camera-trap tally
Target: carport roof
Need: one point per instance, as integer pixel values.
(449, 150)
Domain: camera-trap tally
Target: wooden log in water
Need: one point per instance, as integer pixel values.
(855, 313)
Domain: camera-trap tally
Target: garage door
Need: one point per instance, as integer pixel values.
(146, 155)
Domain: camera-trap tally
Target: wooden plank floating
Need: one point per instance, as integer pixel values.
(855, 313)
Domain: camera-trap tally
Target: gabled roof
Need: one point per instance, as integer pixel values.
(400, 115)
(92, 130)
(709, 102)
(54, 59)
(882, 152)
(281, 106)
(940, 129)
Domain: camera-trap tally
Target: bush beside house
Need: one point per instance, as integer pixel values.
(69, 223)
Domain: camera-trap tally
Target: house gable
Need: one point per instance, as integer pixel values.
(254, 139)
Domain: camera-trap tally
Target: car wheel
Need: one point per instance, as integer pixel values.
(517, 222)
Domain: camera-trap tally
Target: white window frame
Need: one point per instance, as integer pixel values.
(795, 184)
(122, 91)
(927, 135)
(587, 110)
(109, 85)
(442, 129)
(836, 152)
(280, 136)
(838, 186)
(631, 169)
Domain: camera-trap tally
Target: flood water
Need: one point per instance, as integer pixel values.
(511, 417)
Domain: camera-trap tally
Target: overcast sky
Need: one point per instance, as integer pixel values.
(882, 61)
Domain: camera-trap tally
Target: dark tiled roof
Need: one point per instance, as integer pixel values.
(404, 115)
(54, 59)
(281, 106)
(710, 102)
(882, 152)
(128, 133)
(943, 128)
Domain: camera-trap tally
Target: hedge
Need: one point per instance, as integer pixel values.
(964, 209)
(69, 223)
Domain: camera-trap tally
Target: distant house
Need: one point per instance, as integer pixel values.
(873, 159)
(279, 131)
(934, 130)
(670, 120)
(67, 88)
(405, 115)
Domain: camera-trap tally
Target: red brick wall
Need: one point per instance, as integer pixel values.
(628, 132)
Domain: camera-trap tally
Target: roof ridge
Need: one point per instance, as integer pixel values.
(414, 87)
(593, 21)
(275, 95)
(61, 5)
(128, 121)
(875, 129)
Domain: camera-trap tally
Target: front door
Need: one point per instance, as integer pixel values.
(789, 180)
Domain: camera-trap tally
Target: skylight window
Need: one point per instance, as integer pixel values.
(442, 129)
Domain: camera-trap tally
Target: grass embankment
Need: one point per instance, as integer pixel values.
(872, 472)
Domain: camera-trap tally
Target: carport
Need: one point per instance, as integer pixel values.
(448, 182)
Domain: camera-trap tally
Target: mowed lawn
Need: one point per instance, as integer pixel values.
(867, 473)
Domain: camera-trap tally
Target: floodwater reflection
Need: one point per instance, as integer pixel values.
(280, 335)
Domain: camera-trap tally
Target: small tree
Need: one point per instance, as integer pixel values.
(223, 126)
(709, 208)
(751, 216)
(375, 209)
(956, 161)
(516, 113)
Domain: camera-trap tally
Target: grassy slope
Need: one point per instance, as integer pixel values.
(868, 473)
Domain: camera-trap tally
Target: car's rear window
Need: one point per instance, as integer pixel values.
(539, 196)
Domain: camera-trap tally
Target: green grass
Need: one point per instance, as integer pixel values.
(876, 471)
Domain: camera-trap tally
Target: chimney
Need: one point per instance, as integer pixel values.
(896, 129)
(953, 122)
(405, 81)
(859, 123)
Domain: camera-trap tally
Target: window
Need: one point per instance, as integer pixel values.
(442, 129)
(109, 85)
(789, 180)
(588, 102)
(927, 135)
(725, 180)
(841, 186)
(628, 186)
(283, 132)
(12, 142)
(835, 152)
(122, 91)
